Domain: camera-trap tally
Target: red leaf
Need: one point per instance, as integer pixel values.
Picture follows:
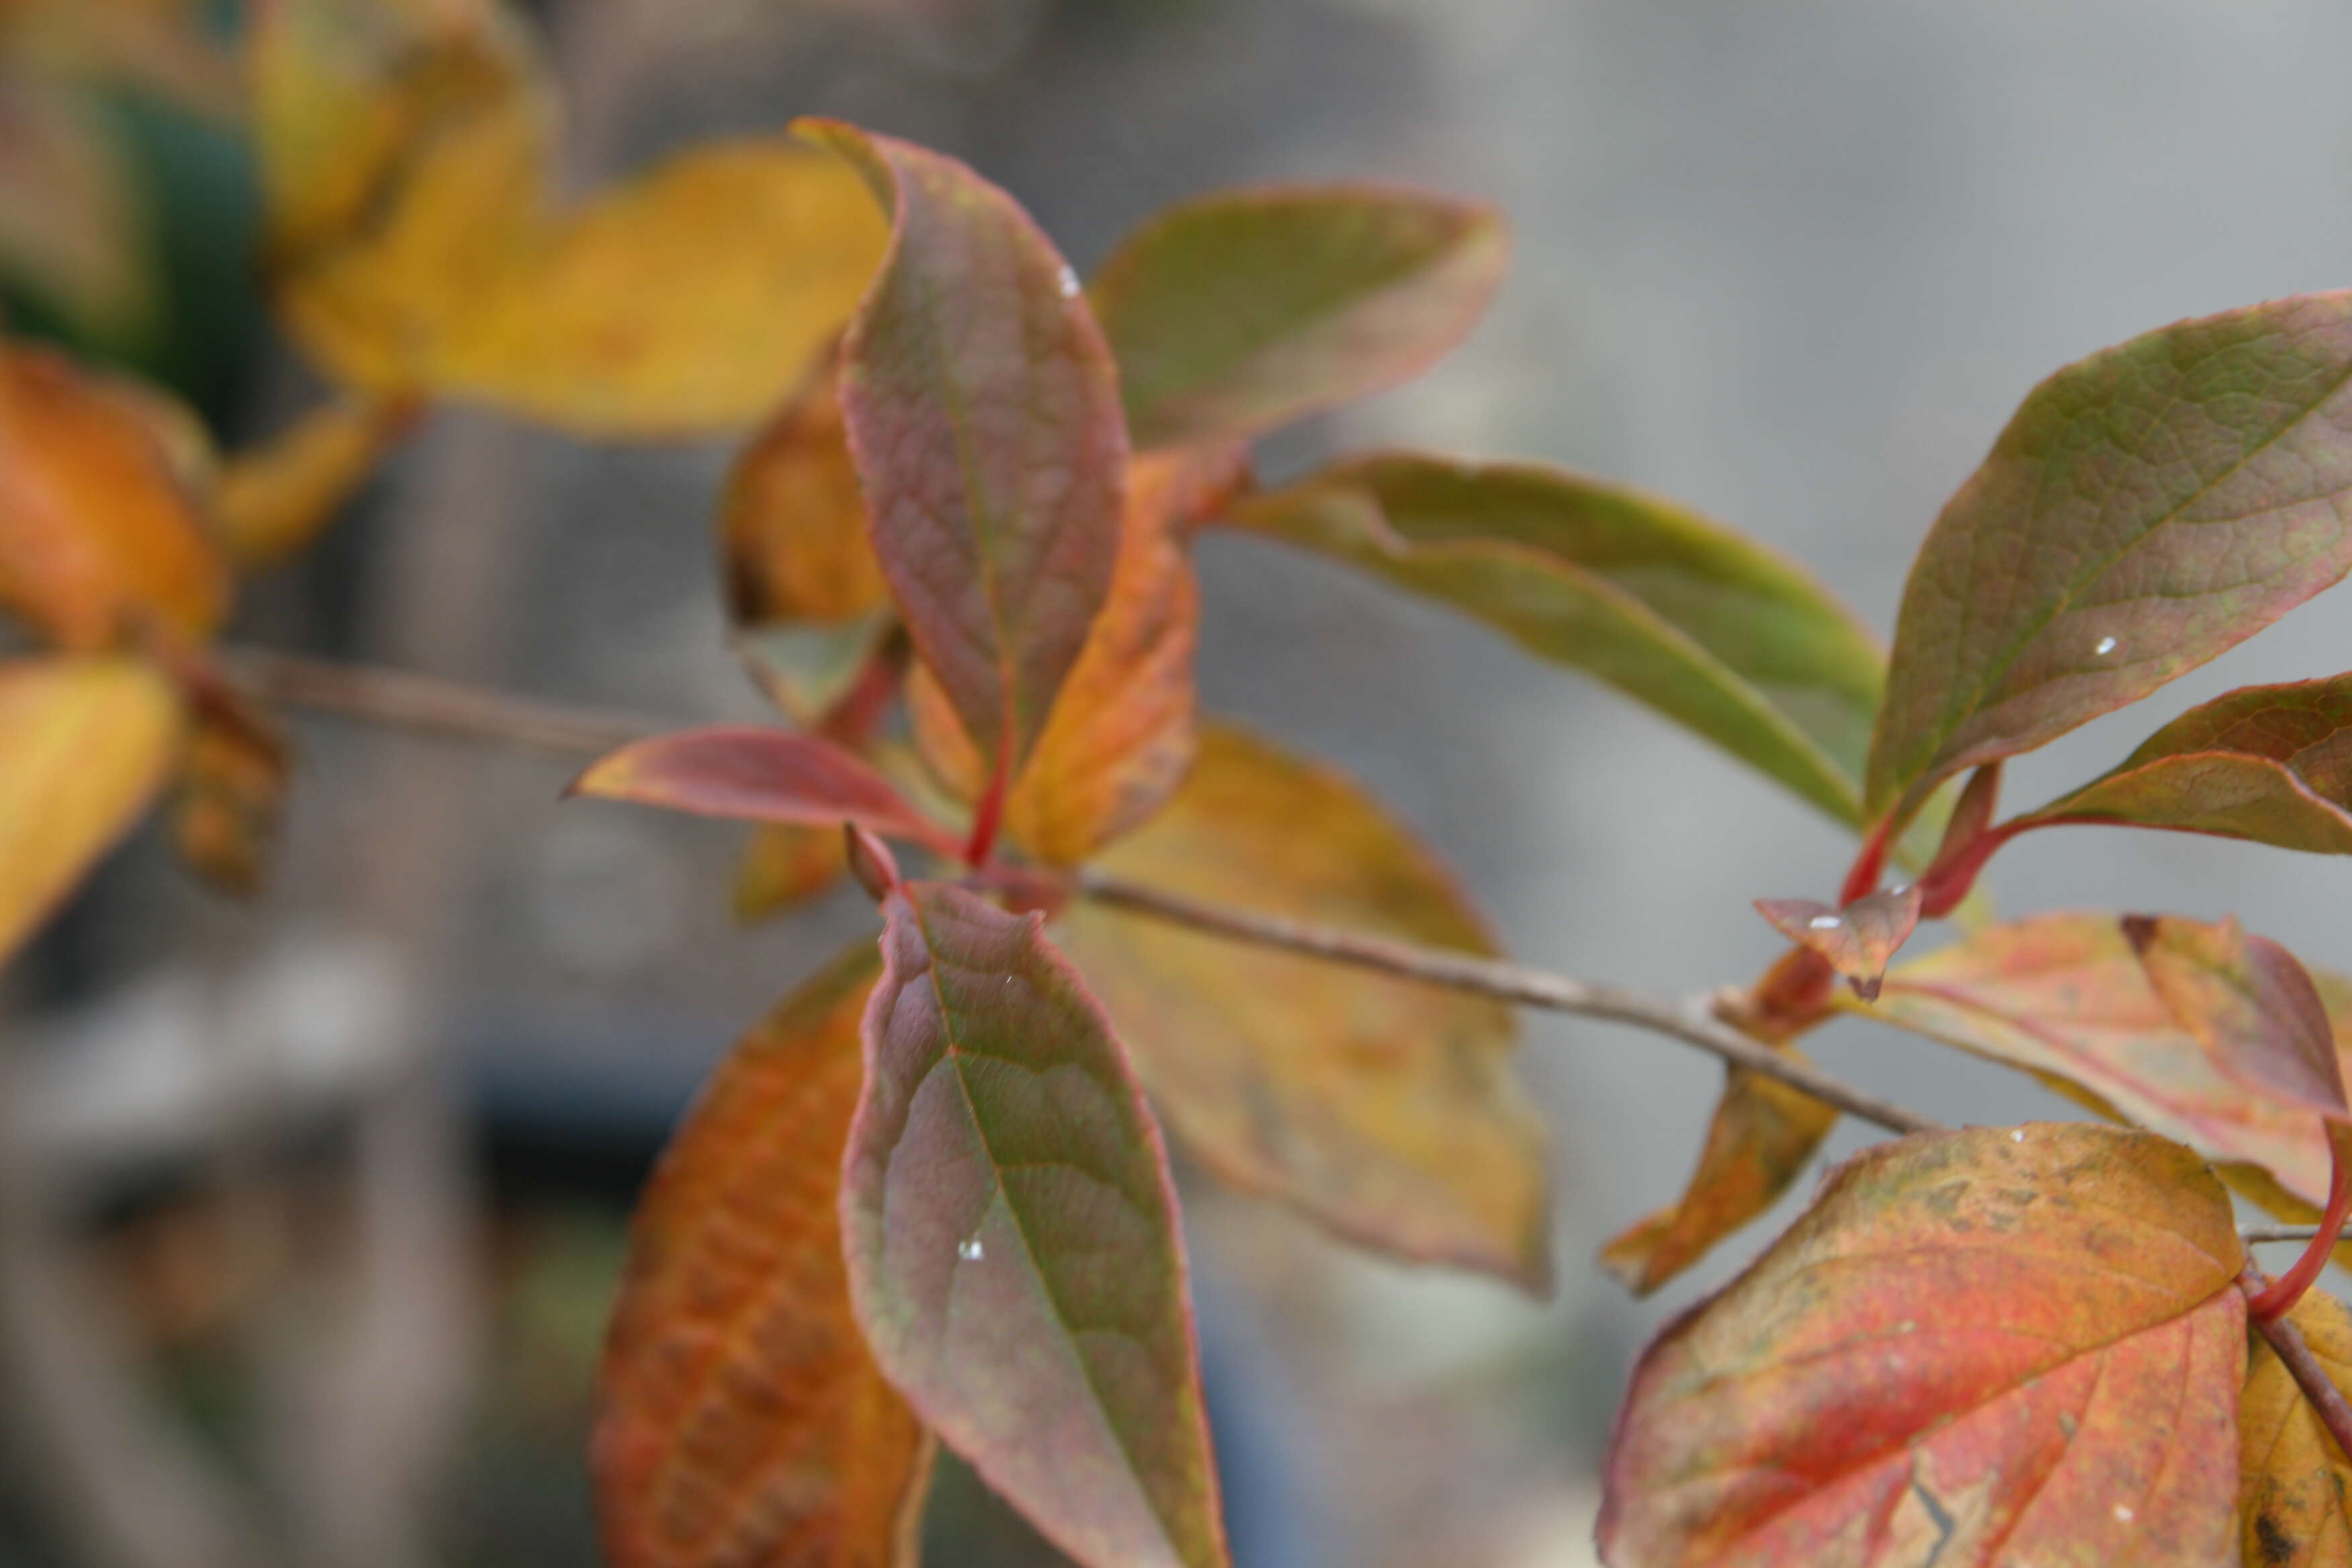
(1013, 1240)
(1858, 940)
(1984, 1347)
(759, 775)
(740, 1418)
(984, 415)
(2249, 1003)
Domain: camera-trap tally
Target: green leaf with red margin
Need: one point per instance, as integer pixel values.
(740, 1418)
(2145, 509)
(2294, 1477)
(759, 775)
(2012, 1346)
(1857, 939)
(2064, 997)
(1387, 1110)
(983, 416)
(85, 744)
(2269, 764)
(1763, 1135)
(1013, 1240)
(1670, 608)
(1240, 311)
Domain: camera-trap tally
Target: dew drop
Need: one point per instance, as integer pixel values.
(970, 1251)
(2123, 1515)
(2106, 646)
(2017, 1136)
(1825, 922)
(1069, 283)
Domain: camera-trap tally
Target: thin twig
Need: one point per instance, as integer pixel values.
(436, 707)
(2286, 1341)
(2262, 1233)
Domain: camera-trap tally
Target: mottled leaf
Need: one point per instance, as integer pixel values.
(277, 498)
(1998, 1346)
(2064, 997)
(759, 775)
(1239, 311)
(792, 525)
(740, 1418)
(983, 416)
(85, 744)
(785, 866)
(231, 796)
(1857, 939)
(101, 536)
(2145, 509)
(2248, 1002)
(1662, 604)
(1012, 1241)
(2295, 1479)
(2271, 763)
(1763, 1135)
(1387, 1110)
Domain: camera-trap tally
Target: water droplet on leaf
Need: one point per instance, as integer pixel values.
(2106, 644)
(1069, 284)
(1825, 922)
(970, 1251)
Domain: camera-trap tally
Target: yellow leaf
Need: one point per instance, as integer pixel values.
(1385, 1110)
(2294, 1477)
(792, 526)
(84, 745)
(275, 498)
(785, 865)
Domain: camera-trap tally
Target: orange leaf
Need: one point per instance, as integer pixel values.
(741, 1418)
(785, 866)
(2295, 1479)
(85, 744)
(1982, 1347)
(277, 498)
(99, 531)
(1857, 940)
(231, 796)
(792, 525)
(1388, 1112)
(758, 776)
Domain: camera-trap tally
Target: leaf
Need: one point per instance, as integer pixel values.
(740, 1418)
(792, 524)
(2146, 509)
(1386, 1112)
(1240, 311)
(2064, 997)
(411, 247)
(1857, 939)
(70, 212)
(983, 416)
(275, 498)
(231, 797)
(1990, 1346)
(85, 743)
(806, 668)
(1012, 1241)
(99, 533)
(785, 865)
(1763, 1135)
(2270, 763)
(2249, 1003)
(2295, 1479)
(1669, 608)
(758, 776)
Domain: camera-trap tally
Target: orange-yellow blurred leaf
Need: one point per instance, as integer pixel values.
(792, 525)
(1857, 940)
(1387, 1110)
(85, 743)
(2001, 1346)
(741, 1417)
(99, 532)
(275, 498)
(231, 797)
(2295, 1478)
(785, 866)
(1763, 1135)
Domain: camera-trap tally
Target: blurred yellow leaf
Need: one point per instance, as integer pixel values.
(99, 528)
(785, 865)
(405, 149)
(84, 745)
(792, 526)
(1385, 1110)
(275, 498)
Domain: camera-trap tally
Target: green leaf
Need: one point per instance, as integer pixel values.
(1013, 1240)
(1241, 312)
(2145, 509)
(1673, 609)
(2269, 764)
(983, 416)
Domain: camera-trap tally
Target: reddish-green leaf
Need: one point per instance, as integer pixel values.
(2271, 763)
(1858, 939)
(2145, 509)
(1013, 1240)
(983, 411)
(1763, 1135)
(2064, 997)
(741, 1418)
(1240, 311)
(2295, 1479)
(1662, 604)
(2249, 1003)
(758, 776)
(85, 744)
(1998, 1346)
(1388, 1111)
